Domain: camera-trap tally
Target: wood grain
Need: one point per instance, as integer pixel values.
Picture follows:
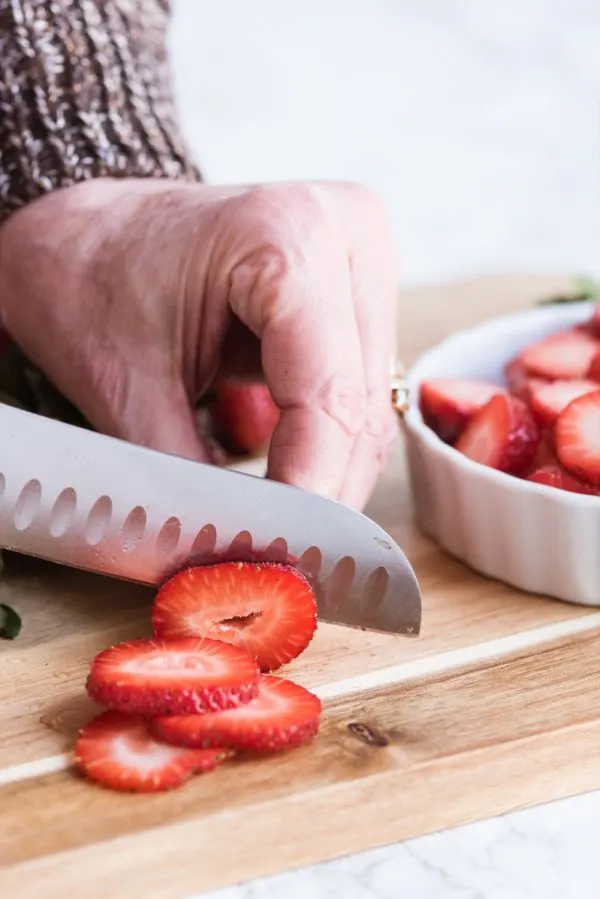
(493, 708)
(389, 764)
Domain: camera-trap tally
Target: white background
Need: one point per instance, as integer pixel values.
(477, 120)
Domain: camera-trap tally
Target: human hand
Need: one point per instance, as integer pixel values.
(132, 295)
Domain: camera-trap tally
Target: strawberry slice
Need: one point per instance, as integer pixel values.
(577, 434)
(546, 451)
(593, 371)
(268, 609)
(548, 401)
(179, 677)
(117, 750)
(520, 382)
(283, 715)
(594, 322)
(563, 356)
(503, 435)
(557, 476)
(447, 404)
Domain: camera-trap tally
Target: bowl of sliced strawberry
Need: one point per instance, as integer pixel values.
(503, 444)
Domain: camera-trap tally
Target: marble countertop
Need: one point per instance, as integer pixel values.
(548, 852)
(479, 123)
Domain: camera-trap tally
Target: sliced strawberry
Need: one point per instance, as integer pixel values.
(593, 371)
(557, 476)
(268, 609)
(577, 434)
(566, 355)
(244, 415)
(520, 382)
(546, 451)
(282, 716)
(548, 401)
(447, 404)
(179, 677)
(117, 750)
(503, 435)
(594, 322)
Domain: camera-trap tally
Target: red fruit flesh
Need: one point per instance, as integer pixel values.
(244, 416)
(546, 451)
(593, 371)
(283, 715)
(557, 476)
(448, 404)
(520, 382)
(566, 355)
(594, 323)
(548, 401)
(179, 677)
(503, 435)
(117, 750)
(577, 434)
(268, 609)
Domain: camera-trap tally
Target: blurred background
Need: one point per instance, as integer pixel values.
(477, 120)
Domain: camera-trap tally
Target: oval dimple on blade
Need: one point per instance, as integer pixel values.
(240, 548)
(98, 520)
(169, 536)
(63, 512)
(134, 528)
(335, 589)
(374, 590)
(310, 562)
(391, 594)
(28, 504)
(278, 551)
(204, 544)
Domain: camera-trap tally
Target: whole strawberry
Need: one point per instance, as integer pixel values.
(244, 416)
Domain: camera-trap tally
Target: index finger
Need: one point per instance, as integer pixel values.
(296, 296)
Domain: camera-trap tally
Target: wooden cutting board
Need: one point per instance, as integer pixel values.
(495, 707)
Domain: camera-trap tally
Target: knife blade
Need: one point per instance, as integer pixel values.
(79, 498)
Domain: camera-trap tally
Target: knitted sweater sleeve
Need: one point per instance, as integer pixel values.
(85, 92)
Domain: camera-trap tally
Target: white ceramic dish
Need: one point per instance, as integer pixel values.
(534, 537)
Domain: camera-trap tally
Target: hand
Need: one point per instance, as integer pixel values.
(132, 295)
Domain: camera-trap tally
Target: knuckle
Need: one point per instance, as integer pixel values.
(285, 224)
(290, 213)
(345, 402)
(258, 282)
(378, 415)
(366, 197)
(381, 427)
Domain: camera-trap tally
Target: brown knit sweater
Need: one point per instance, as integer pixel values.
(85, 92)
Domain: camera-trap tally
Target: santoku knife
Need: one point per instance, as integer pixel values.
(92, 502)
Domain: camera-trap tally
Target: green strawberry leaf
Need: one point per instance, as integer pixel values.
(588, 286)
(10, 623)
(585, 288)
